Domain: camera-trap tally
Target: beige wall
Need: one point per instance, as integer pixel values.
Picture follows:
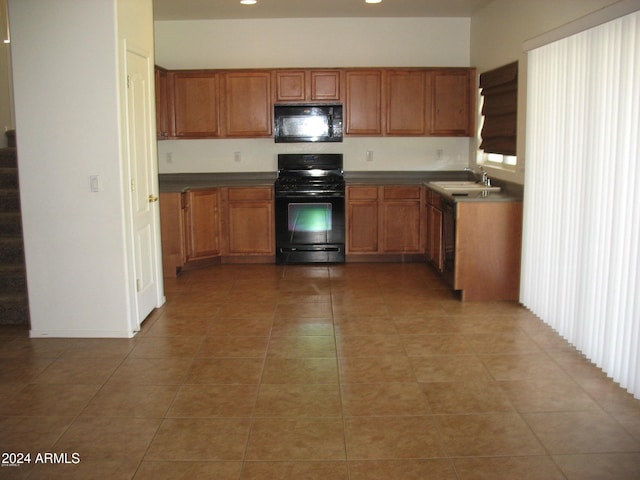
(312, 42)
(498, 32)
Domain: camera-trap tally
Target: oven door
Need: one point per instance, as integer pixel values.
(309, 228)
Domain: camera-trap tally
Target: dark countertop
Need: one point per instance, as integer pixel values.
(180, 182)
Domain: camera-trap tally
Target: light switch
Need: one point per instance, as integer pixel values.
(94, 182)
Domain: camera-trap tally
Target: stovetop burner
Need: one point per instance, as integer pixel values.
(310, 173)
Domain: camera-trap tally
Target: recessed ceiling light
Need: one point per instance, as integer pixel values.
(248, 2)
(373, 1)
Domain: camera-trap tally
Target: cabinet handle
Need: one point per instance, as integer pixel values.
(153, 198)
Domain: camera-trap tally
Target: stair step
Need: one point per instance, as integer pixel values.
(13, 280)
(8, 178)
(9, 200)
(11, 251)
(14, 310)
(10, 224)
(8, 158)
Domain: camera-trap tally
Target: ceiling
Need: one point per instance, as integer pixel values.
(232, 9)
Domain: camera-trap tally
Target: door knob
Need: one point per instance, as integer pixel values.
(153, 198)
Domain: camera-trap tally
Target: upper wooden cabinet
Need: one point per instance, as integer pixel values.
(317, 85)
(247, 104)
(195, 104)
(406, 106)
(363, 106)
(452, 102)
(377, 101)
(162, 103)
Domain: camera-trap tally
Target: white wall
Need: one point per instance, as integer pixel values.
(67, 114)
(337, 42)
(497, 34)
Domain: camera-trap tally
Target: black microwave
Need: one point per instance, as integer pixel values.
(307, 123)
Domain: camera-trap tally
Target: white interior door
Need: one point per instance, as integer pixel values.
(143, 196)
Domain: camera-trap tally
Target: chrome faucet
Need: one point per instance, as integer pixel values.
(484, 176)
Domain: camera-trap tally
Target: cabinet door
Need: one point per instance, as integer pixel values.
(290, 85)
(325, 85)
(202, 224)
(401, 219)
(196, 97)
(452, 95)
(172, 230)
(162, 104)
(363, 115)
(251, 221)
(406, 102)
(247, 100)
(362, 219)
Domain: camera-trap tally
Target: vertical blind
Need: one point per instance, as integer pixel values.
(581, 252)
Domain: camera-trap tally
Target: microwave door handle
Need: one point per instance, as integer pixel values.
(330, 125)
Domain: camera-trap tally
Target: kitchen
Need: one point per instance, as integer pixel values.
(72, 240)
(491, 37)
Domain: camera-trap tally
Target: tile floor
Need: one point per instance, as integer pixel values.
(357, 372)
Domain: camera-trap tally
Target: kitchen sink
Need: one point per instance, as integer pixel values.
(463, 186)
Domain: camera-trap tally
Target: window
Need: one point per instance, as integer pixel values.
(499, 111)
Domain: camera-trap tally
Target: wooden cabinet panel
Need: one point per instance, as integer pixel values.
(362, 232)
(488, 243)
(325, 85)
(250, 221)
(247, 104)
(406, 106)
(362, 219)
(195, 109)
(172, 231)
(401, 226)
(385, 219)
(363, 110)
(290, 85)
(202, 223)
(162, 103)
(452, 98)
(315, 85)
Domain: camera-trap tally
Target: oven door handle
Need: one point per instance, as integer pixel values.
(310, 196)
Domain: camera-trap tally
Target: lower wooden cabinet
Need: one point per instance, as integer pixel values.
(172, 232)
(488, 241)
(385, 220)
(249, 223)
(362, 219)
(216, 225)
(202, 223)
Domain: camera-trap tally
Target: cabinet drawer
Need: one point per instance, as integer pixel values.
(402, 192)
(363, 193)
(250, 194)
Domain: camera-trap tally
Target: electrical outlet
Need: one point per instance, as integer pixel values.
(169, 157)
(369, 155)
(236, 157)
